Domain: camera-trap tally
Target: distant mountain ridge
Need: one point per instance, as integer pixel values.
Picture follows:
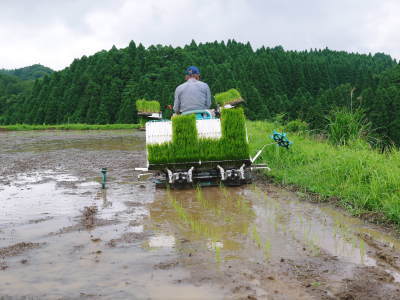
(29, 73)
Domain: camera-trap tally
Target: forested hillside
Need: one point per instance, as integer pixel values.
(17, 84)
(29, 73)
(11, 90)
(103, 88)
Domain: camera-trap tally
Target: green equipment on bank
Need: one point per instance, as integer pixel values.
(202, 147)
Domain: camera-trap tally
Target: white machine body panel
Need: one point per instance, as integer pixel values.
(161, 132)
(158, 132)
(210, 129)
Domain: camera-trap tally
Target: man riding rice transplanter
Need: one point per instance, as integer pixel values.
(193, 94)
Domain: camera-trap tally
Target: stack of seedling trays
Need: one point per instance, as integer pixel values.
(185, 142)
(149, 109)
(230, 98)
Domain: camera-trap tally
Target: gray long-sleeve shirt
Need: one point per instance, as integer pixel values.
(191, 95)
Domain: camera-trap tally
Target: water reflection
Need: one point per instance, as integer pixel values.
(236, 223)
(217, 218)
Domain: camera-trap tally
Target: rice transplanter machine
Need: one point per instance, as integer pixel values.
(230, 172)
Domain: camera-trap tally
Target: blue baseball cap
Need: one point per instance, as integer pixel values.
(192, 70)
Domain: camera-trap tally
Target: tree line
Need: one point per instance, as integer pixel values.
(306, 85)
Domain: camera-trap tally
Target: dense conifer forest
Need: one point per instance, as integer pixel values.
(17, 84)
(306, 85)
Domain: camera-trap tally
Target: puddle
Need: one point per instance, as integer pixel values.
(90, 184)
(162, 241)
(45, 141)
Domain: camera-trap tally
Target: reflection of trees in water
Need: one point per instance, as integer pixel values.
(220, 216)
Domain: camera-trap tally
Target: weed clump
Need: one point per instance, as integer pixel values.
(145, 106)
(345, 126)
(296, 126)
(227, 97)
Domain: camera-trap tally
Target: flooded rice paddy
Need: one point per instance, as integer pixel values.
(63, 237)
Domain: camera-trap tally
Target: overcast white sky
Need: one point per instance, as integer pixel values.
(54, 32)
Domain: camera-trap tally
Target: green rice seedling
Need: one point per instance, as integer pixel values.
(187, 147)
(234, 140)
(240, 204)
(233, 144)
(218, 255)
(159, 153)
(228, 219)
(197, 227)
(257, 191)
(227, 97)
(180, 210)
(200, 197)
(267, 249)
(145, 106)
(256, 237)
(362, 250)
(244, 206)
(210, 149)
(316, 284)
(315, 249)
(217, 252)
(224, 190)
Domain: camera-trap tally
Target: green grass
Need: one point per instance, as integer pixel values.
(296, 126)
(27, 127)
(344, 126)
(364, 180)
(143, 105)
(187, 147)
(227, 97)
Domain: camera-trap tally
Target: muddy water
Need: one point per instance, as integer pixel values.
(61, 236)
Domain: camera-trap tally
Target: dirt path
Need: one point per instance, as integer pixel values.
(62, 237)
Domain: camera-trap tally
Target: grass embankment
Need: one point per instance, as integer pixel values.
(364, 180)
(21, 127)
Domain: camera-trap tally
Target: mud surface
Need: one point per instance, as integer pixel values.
(63, 237)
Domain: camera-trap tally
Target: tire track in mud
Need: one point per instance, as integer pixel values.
(253, 242)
